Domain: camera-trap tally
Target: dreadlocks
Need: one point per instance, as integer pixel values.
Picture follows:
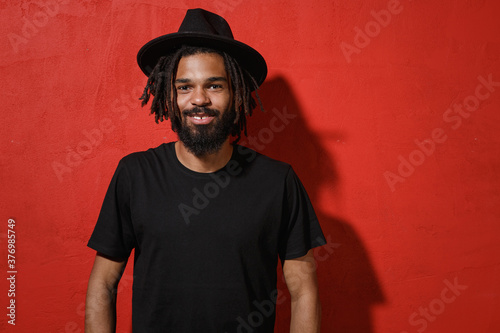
(161, 83)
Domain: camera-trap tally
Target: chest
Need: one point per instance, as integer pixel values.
(214, 214)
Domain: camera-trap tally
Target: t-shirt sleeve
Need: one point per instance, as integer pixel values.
(301, 229)
(113, 233)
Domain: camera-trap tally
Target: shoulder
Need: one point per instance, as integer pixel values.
(257, 161)
(144, 158)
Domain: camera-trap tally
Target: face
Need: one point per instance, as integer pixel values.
(204, 100)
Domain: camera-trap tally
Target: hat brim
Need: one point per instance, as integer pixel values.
(246, 56)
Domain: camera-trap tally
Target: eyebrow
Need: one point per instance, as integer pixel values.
(217, 78)
(210, 79)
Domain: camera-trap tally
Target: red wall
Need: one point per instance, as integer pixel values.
(392, 126)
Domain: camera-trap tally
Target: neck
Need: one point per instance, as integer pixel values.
(206, 163)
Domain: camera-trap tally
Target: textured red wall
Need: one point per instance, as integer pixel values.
(389, 112)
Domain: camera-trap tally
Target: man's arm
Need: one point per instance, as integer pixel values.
(300, 277)
(100, 306)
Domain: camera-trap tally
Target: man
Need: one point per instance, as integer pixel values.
(207, 218)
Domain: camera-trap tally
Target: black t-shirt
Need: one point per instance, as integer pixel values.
(206, 244)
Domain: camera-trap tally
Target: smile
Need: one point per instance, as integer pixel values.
(202, 119)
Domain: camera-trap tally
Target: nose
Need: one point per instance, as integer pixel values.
(200, 97)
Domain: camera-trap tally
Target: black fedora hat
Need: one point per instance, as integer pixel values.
(206, 29)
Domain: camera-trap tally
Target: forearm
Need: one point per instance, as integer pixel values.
(100, 310)
(306, 314)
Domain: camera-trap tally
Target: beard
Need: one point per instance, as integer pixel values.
(206, 139)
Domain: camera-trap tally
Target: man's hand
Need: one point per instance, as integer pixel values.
(100, 306)
(300, 277)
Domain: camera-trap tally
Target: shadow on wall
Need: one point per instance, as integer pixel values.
(348, 284)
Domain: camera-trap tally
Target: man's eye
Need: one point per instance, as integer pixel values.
(216, 86)
(182, 87)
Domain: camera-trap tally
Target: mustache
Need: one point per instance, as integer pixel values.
(202, 110)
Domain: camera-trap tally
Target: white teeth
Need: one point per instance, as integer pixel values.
(195, 117)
